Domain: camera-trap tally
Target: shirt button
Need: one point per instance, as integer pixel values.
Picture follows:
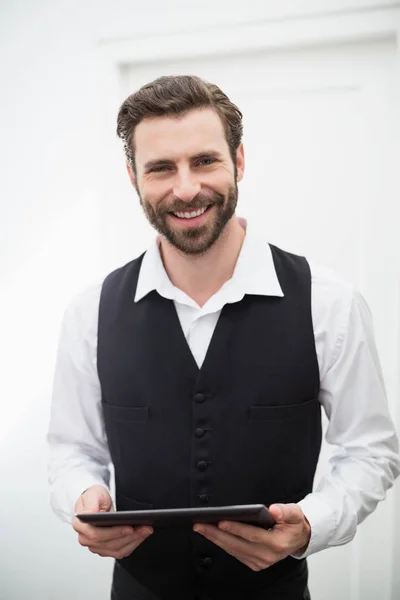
(202, 465)
(206, 561)
(199, 432)
(199, 398)
(204, 498)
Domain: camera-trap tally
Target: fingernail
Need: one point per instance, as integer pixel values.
(145, 531)
(128, 531)
(198, 529)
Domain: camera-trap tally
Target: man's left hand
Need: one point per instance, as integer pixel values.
(259, 548)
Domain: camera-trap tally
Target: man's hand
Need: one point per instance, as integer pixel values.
(259, 548)
(116, 542)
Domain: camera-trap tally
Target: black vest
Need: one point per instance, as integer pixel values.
(245, 428)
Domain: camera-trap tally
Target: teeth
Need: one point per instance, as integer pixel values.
(191, 215)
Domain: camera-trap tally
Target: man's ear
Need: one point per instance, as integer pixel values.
(131, 174)
(240, 162)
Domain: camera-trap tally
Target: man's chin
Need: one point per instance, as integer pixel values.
(189, 244)
(189, 247)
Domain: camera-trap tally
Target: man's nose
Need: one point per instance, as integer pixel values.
(186, 186)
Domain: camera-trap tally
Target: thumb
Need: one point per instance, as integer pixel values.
(95, 499)
(289, 514)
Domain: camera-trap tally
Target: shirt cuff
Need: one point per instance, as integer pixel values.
(63, 500)
(322, 522)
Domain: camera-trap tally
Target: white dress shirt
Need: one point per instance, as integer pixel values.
(352, 393)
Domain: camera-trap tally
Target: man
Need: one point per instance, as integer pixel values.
(199, 370)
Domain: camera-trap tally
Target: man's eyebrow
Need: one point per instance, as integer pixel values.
(207, 154)
(157, 162)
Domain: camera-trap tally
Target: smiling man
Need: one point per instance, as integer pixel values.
(199, 370)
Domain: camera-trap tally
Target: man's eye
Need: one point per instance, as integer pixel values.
(208, 161)
(159, 169)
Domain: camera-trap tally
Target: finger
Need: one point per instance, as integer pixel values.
(228, 542)
(122, 552)
(120, 542)
(84, 528)
(290, 514)
(96, 499)
(248, 554)
(112, 545)
(264, 542)
(247, 532)
(251, 554)
(102, 535)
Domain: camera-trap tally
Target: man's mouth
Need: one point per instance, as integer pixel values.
(192, 214)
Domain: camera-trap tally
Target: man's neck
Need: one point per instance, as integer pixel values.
(200, 277)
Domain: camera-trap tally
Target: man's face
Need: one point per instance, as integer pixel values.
(185, 178)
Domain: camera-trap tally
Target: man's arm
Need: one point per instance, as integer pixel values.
(366, 460)
(78, 450)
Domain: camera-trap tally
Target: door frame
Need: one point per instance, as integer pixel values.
(379, 23)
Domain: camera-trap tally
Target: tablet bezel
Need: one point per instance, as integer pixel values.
(252, 514)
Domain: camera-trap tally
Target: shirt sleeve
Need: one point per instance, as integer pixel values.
(365, 461)
(78, 454)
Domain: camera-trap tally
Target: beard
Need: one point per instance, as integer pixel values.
(193, 240)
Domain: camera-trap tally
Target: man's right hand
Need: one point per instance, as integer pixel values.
(116, 542)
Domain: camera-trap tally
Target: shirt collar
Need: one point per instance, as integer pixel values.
(254, 272)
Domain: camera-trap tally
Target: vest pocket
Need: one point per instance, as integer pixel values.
(126, 503)
(284, 412)
(127, 429)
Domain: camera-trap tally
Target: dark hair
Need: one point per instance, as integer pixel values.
(176, 96)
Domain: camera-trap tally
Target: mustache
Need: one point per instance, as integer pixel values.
(198, 202)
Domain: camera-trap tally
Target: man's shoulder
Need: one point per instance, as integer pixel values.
(87, 298)
(328, 285)
(332, 292)
(85, 301)
(323, 276)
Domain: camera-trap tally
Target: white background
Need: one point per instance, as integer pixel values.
(322, 144)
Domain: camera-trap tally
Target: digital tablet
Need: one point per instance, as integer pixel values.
(253, 514)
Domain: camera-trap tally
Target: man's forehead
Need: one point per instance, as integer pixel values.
(196, 129)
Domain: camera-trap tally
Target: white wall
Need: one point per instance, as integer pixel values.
(50, 242)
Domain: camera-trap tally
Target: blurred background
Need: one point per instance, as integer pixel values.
(318, 82)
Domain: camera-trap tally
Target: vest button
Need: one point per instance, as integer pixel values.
(199, 397)
(202, 465)
(199, 432)
(206, 561)
(204, 498)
